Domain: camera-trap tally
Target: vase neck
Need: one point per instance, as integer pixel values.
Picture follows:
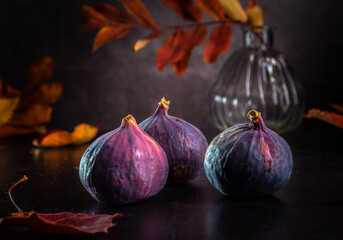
(258, 37)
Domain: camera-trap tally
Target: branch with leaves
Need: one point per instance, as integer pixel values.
(177, 48)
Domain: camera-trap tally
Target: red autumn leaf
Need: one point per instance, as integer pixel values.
(337, 107)
(109, 34)
(64, 222)
(171, 50)
(213, 8)
(7, 130)
(329, 117)
(185, 9)
(193, 38)
(101, 15)
(6, 91)
(39, 73)
(60, 223)
(218, 43)
(138, 10)
(156, 33)
(33, 116)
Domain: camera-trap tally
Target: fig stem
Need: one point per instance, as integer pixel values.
(253, 116)
(164, 103)
(10, 192)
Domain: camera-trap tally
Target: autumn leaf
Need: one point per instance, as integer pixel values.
(234, 10)
(254, 13)
(213, 8)
(337, 107)
(7, 130)
(329, 117)
(109, 34)
(218, 43)
(101, 15)
(9, 99)
(60, 223)
(33, 116)
(171, 50)
(193, 38)
(185, 9)
(56, 138)
(156, 33)
(40, 72)
(138, 10)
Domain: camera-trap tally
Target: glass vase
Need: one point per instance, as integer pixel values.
(257, 77)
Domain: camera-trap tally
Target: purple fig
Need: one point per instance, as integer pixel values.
(248, 159)
(124, 165)
(184, 144)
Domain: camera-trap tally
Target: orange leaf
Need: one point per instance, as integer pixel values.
(171, 50)
(218, 43)
(6, 91)
(39, 73)
(137, 9)
(254, 13)
(47, 93)
(7, 130)
(337, 107)
(101, 15)
(33, 116)
(213, 8)
(193, 38)
(109, 34)
(9, 99)
(56, 138)
(145, 41)
(329, 117)
(185, 9)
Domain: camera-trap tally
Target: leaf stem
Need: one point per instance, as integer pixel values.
(10, 192)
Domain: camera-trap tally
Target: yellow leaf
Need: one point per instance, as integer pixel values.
(7, 107)
(57, 138)
(83, 133)
(255, 14)
(234, 10)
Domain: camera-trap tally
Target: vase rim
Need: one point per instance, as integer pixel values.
(260, 27)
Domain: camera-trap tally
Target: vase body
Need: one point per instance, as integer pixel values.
(257, 77)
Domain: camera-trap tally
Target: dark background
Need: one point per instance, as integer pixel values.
(113, 82)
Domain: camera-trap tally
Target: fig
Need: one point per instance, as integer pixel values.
(124, 165)
(184, 144)
(248, 159)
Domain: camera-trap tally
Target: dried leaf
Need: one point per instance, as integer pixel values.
(337, 107)
(101, 15)
(185, 9)
(193, 38)
(109, 34)
(6, 91)
(234, 10)
(254, 13)
(56, 138)
(171, 50)
(64, 222)
(329, 117)
(47, 93)
(218, 43)
(33, 116)
(213, 8)
(156, 33)
(138, 10)
(59, 223)
(9, 99)
(39, 73)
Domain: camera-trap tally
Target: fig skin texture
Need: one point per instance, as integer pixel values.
(184, 144)
(248, 160)
(124, 165)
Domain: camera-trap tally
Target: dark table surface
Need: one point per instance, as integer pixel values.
(310, 206)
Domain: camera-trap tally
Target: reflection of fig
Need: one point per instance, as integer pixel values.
(248, 159)
(124, 165)
(184, 144)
